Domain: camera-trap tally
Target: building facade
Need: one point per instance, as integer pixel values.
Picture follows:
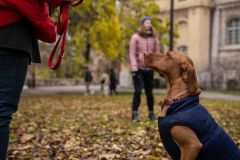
(225, 50)
(209, 33)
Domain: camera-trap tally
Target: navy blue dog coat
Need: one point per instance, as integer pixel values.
(217, 145)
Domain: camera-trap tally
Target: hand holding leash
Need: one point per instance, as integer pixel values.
(62, 31)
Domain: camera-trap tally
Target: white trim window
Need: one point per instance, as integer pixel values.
(233, 32)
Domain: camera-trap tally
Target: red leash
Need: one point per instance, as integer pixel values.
(62, 27)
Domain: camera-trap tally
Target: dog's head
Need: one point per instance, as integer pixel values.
(175, 65)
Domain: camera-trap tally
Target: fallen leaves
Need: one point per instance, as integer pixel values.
(96, 128)
(70, 144)
(109, 156)
(26, 138)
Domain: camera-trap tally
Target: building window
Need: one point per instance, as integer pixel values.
(183, 49)
(233, 32)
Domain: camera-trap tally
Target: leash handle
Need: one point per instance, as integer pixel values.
(55, 66)
(62, 31)
(62, 27)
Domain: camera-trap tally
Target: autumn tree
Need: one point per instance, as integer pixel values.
(95, 24)
(106, 27)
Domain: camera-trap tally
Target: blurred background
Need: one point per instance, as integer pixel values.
(99, 33)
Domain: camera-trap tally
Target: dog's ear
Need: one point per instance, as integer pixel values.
(189, 76)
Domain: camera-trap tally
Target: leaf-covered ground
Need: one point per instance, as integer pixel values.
(96, 128)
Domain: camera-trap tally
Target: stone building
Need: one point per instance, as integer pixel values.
(225, 44)
(210, 34)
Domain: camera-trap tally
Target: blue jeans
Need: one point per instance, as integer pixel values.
(13, 69)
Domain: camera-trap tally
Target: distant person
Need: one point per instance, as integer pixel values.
(88, 80)
(22, 24)
(144, 41)
(113, 82)
(105, 81)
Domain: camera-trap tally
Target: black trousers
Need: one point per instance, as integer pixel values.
(143, 79)
(13, 69)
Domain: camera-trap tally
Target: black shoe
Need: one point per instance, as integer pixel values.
(151, 116)
(135, 116)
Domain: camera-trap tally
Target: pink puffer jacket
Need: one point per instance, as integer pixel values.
(138, 47)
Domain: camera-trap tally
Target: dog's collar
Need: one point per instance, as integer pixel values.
(168, 102)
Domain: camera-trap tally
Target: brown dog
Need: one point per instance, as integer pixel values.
(187, 130)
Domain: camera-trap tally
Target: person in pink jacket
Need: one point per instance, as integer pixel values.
(144, 41)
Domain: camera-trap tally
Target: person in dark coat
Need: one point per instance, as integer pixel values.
(88, 80)
(113, 82)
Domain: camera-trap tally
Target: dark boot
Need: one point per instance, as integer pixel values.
(151, 116)
(135, 116)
